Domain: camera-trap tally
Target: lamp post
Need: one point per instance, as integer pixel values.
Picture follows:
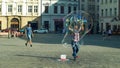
(41, 13)
(8, 28)
(50, 5)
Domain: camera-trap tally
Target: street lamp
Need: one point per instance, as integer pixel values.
(41, 13)
(8, 28)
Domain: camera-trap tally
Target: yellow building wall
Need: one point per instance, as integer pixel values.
(3, 22)
(23, 21)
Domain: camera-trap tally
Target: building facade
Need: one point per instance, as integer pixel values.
(109, 15)
(40, 13)
(17, 13)
(91, 7)
(53, 12)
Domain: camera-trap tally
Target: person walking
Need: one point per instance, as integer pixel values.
(109, 33)
(104, 34)
(29, 35)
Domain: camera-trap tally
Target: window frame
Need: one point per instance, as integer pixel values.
(19, 8)
(35, 8)
(30, 8)
(10, 8)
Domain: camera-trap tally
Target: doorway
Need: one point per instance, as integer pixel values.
(58, 26)
(14, 24)
(46, 25)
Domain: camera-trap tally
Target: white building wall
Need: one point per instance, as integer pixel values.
(108, 6)
(41, 4)
(4, 8)
(6, 17)
(24, 11)
(15, 4)
(51, 16)
(107, 19)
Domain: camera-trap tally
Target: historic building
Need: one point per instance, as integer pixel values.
(110, 15)
(54, 12)
(40, 13)
(17, 13)
(91, 7)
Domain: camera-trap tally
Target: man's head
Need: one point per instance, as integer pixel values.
(29, 25)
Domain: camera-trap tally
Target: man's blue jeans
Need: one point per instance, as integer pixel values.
(75, 47)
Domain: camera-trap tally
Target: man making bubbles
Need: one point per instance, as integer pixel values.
(75, 39)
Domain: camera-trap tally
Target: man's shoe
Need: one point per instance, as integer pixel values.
(77, 56)
(25, 44)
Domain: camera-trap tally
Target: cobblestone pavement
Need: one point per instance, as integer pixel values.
(47, 48)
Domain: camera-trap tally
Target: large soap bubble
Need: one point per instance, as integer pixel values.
(80, 18)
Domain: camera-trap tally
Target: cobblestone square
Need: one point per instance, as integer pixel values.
(47, 48)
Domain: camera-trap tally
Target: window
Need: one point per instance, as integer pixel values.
(9, 8)
(62, 9)
(46, 9)
(91, 7)
(0, 8)
(98, 1)
(110, 11)
(114, 27)
(110, 1)
(101, 27)
(106, 1)
(29, 8)
(108, 26)
(69, 9)
(102, 2)
(102, 12)
(55, 9)
(46, 24)
(118, 28)
(98, 16)
(106, 12)
(92, 0)
(75, 8)
(97, 8)
(115, 11)
(19, 8)
(83, 0)
(35, 9)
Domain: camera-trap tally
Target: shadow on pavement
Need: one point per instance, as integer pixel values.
(46, 38)
(43, 57)
(95, 40)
